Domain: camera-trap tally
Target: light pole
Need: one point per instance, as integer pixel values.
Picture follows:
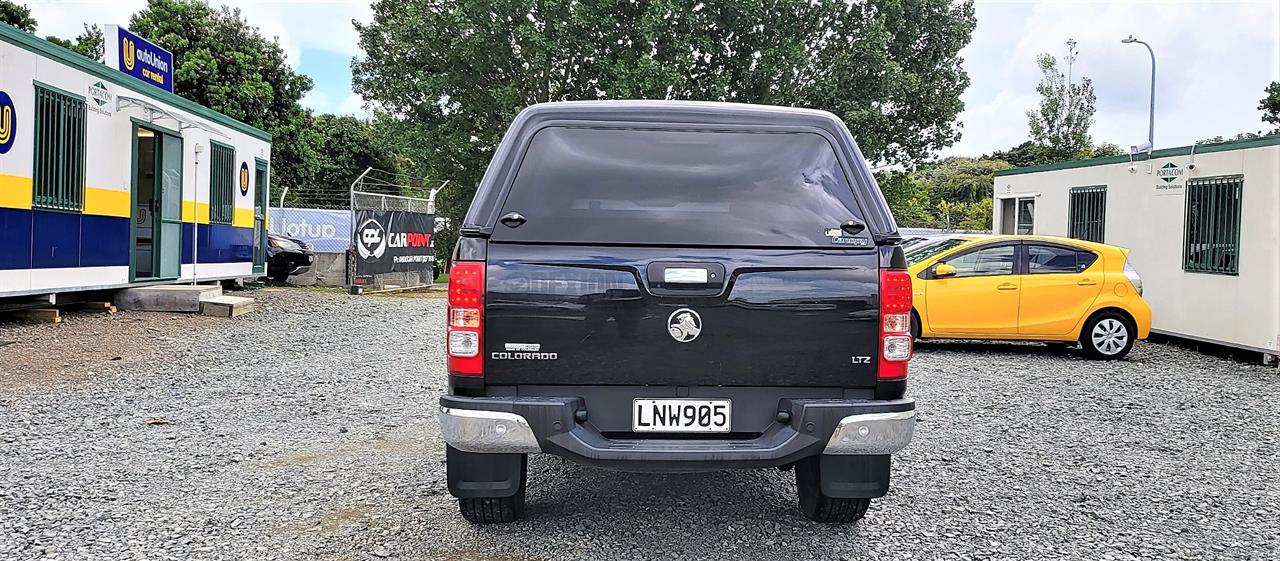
(195, 218)
(1151, 119)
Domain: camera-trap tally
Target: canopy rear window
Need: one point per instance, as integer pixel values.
(667, 187)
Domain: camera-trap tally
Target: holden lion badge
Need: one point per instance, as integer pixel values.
(684, 325)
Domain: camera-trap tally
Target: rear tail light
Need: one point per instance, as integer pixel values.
(466, 318)
(1134, 278)
(895, 323)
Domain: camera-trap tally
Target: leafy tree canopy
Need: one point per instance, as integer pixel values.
(952, 193)
(1270, 105)
(226, 65)
(1066, 109)
(452, 74)
(17, 15)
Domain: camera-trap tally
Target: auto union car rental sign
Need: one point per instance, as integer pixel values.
(137, 57)
(391, 241)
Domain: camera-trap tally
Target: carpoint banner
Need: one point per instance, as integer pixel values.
(392, 241)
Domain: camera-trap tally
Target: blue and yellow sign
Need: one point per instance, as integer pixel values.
(139, 57)
(8, 122)
(244, 178)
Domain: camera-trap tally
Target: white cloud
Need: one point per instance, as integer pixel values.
(353, 105)
(320, 25)
(1213, 62)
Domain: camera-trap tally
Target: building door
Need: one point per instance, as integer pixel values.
(260, 216)
(170, 171)
(1008, 217)
(156, 251)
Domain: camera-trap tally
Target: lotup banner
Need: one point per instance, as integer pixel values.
(327, 231)
(392, 241)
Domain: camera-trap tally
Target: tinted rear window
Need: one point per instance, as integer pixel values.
(579, 185)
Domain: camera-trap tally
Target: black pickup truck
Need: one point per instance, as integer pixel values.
(677, 287)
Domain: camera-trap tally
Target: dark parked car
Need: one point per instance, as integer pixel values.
(287, 256)
(677, 287)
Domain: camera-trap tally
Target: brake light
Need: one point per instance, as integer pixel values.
(466, 319)
(895, 323)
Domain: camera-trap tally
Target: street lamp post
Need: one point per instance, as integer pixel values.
(1151, 119)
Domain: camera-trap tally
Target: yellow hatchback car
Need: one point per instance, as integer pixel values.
(1028, 288)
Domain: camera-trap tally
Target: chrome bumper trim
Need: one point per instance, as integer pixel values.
(872, 434)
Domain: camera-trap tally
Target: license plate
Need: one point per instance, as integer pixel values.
(681, 415)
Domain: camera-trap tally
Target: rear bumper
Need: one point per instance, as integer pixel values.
(547, 424)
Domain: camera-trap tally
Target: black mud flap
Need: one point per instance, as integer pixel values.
(484, 475)
(860, 477)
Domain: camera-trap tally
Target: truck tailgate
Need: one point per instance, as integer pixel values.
(570, 314)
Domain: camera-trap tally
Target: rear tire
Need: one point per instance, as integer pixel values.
(1107, 336)
(491, 510)
(915, 326)
(820, 507)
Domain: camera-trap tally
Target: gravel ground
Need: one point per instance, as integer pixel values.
(307, 430)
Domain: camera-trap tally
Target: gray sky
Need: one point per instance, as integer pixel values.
(1214, 58)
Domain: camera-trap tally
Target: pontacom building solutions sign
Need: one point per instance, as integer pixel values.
(138, 57)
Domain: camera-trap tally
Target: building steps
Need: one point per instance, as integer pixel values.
(188, 298)
(226, 306)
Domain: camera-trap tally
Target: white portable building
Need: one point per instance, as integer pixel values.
(108, 181)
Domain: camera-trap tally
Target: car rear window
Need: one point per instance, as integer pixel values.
(1042, 259)
(668, 187)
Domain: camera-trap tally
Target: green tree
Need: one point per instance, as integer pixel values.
(17, 15)
(226, 65)
(1270, 105)
(976, 216)
(348, 146)
(959, 179)
(88, 43)
(1030, 153)
(1062, 121)
(453, 73)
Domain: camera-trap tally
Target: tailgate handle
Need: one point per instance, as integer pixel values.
(683, 278)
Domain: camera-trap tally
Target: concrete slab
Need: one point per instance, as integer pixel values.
(226, 306)
(166, 297)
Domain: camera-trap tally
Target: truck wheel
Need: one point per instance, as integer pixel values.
(1107, 336)
(819, 507)
(493, 510)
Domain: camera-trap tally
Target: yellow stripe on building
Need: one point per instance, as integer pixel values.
(242, 218)
(106, 202)
(190, 209)
(15, 191)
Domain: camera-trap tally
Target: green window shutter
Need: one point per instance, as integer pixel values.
(221, 178)
(59, 166)
(1087, 213)
(1211, 231)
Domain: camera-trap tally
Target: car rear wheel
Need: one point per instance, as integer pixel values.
(491, 510)
(1107, 336)
(819, 507)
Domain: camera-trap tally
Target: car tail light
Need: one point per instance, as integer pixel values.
(465, 337)
(895, 323)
